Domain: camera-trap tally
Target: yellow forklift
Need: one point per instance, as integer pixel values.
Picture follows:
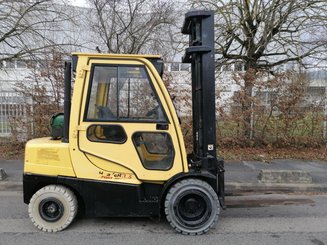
(118, 150)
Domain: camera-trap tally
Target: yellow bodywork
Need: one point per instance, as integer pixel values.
(48, 157)
(84, 159)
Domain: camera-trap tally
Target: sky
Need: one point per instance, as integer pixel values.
(80, 3)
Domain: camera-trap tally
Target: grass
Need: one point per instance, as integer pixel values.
(266, 154)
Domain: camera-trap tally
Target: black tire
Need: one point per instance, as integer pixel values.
(53, 208)
(192, 207)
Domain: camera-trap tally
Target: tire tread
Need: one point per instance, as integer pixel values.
(178, 185)
(67, 194)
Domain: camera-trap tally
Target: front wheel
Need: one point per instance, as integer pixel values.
(192, 207)
(52, 208)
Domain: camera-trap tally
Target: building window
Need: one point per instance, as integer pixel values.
(174, 67)
(238, 67)
(21, 64)
(185, 67)
(10, 64)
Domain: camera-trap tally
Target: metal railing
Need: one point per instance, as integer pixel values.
(11, 105)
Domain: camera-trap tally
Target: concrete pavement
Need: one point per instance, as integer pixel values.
(248, 220)
(240, 176)
(14, 172)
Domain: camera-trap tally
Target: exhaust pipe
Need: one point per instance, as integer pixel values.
(67, 100)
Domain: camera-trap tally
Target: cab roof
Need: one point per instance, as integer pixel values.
(107, 55)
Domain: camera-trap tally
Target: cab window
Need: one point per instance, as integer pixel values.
(155, 150)
(106, 133)
(122, 93)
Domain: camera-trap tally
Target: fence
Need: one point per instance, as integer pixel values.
(280, 119)
(11, 104)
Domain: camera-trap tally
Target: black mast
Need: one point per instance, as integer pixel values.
(199, 25)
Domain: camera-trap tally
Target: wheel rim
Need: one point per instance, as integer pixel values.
(51, 209)
(193, 208)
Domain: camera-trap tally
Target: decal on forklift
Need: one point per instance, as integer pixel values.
(115, 175)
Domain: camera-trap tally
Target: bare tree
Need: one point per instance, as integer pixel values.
(264, 34)
(42, 97)
(131, 26)
(29, 27)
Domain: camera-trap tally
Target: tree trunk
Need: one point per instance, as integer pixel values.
(247, 102)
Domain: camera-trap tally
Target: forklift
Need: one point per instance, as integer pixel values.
(118, 149)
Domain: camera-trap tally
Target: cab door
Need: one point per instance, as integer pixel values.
(125, 124)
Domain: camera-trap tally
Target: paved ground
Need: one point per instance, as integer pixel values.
(14, 169)
(249, 220)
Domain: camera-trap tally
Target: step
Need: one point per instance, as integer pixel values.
(284, 176)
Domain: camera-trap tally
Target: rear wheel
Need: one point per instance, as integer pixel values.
(52, 208)
(192, 207)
